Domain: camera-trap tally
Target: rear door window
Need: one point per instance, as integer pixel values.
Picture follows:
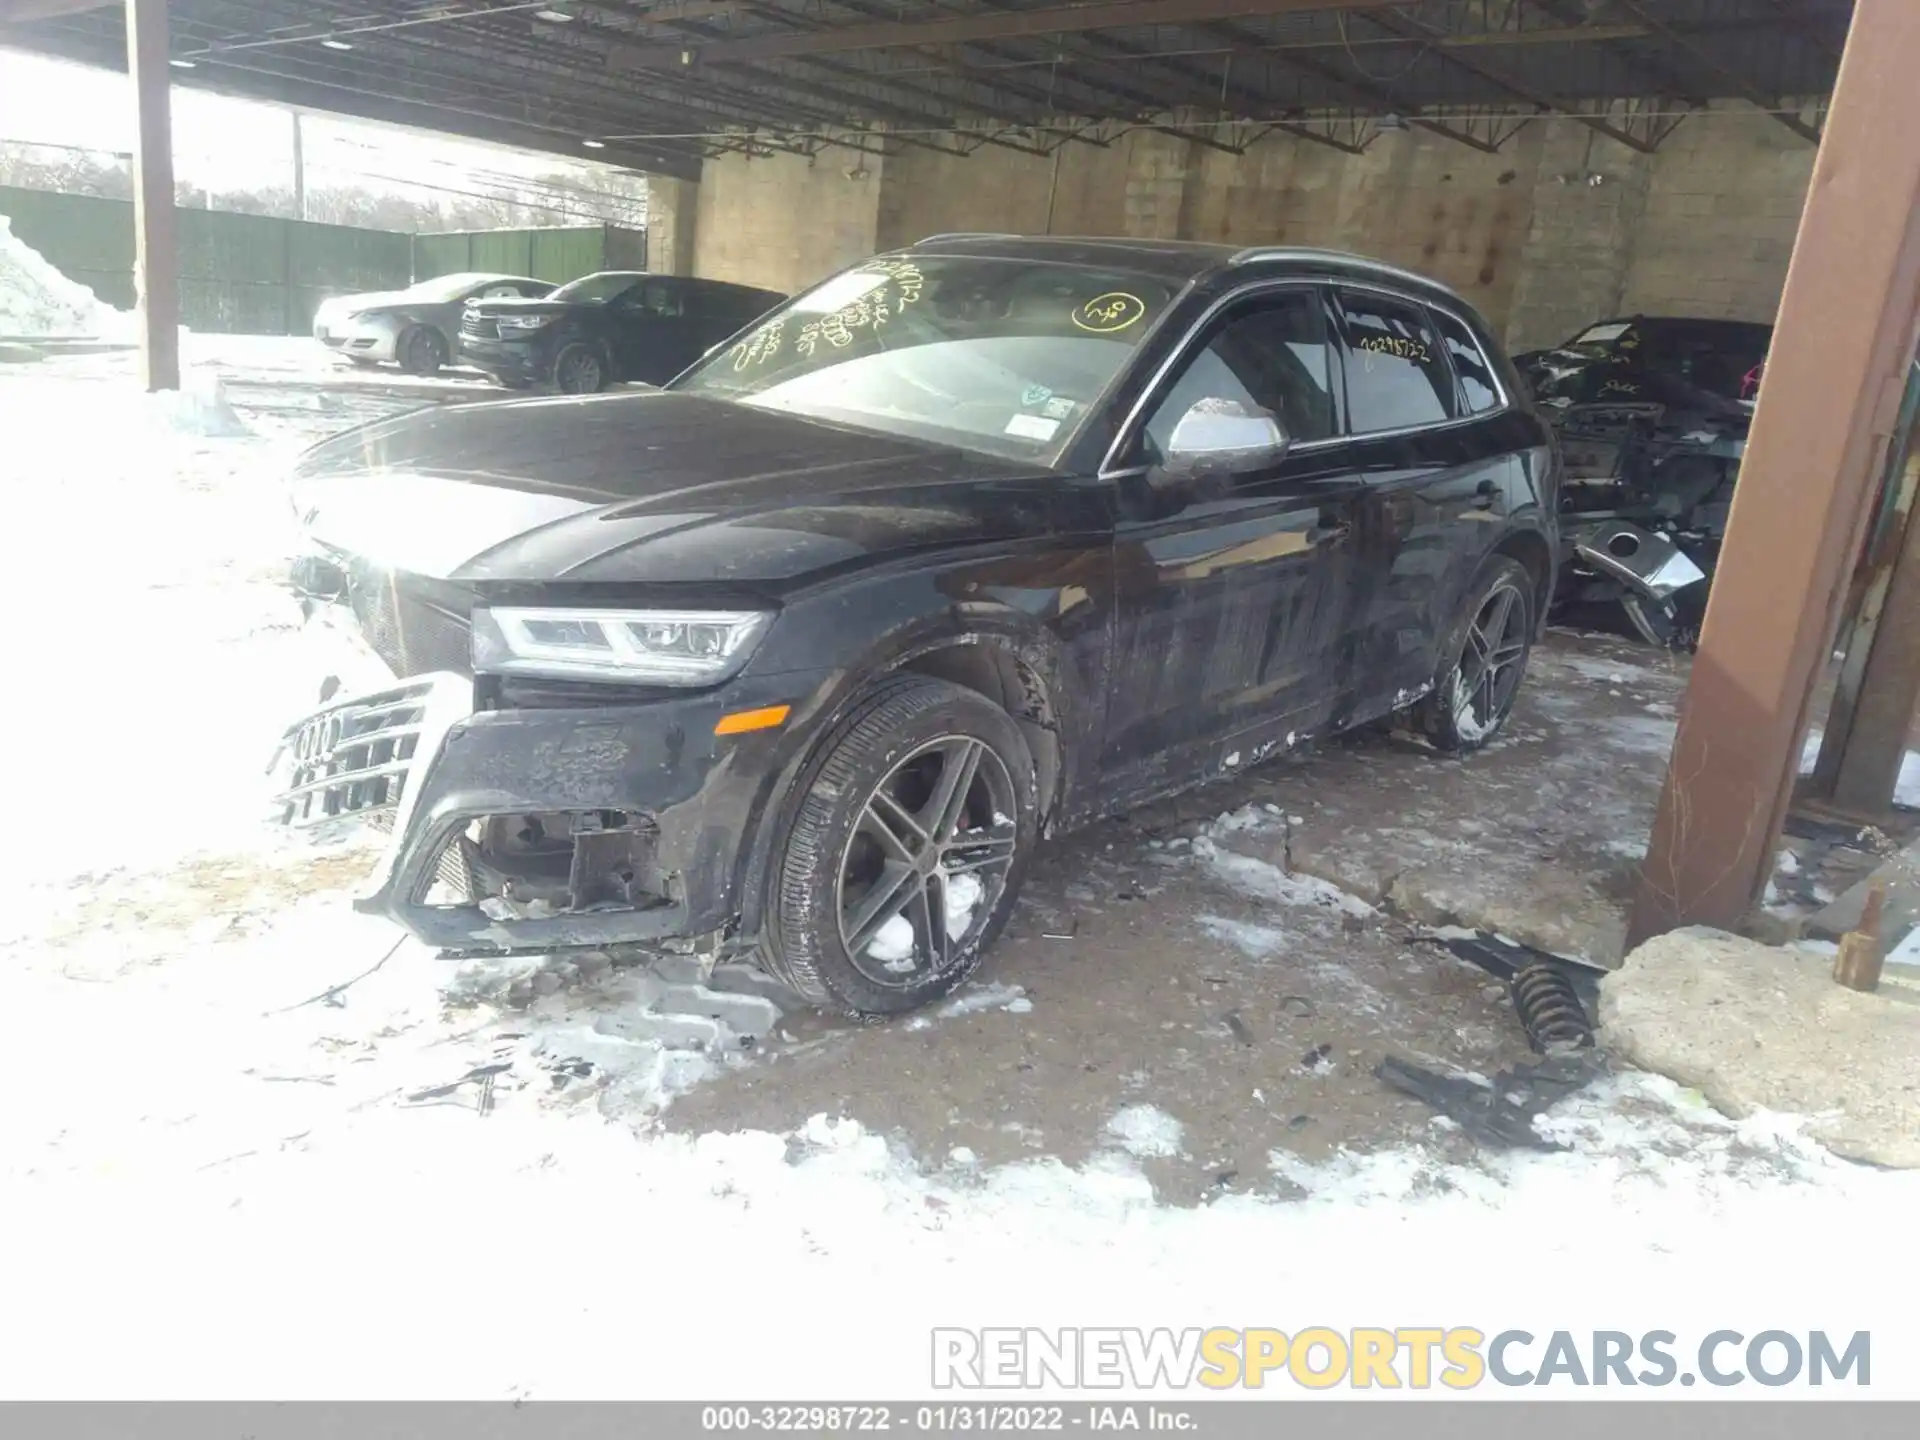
(1479, 391)
(1397, 375)
(659, 297)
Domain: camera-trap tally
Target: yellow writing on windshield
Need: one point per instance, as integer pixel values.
(868, 312)
(1110, 313)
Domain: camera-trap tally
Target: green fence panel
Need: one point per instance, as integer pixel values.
(624, 249)
(232, 249)
(440, 255)
(344, 259)
(503, 252)
(254, 274)
(556, 253)
(562, 255)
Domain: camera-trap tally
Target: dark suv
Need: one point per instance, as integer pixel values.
(972, 543)
(602, 329)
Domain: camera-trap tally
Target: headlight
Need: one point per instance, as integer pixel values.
(656, 647)
(522, 324)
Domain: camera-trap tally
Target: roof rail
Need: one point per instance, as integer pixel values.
(1345, 257)
(968, 235)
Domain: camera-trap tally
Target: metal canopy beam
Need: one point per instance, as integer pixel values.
(1363, 91)
(1742, 85)
(1525, 93)
(713, 70)
(1828, 407)
(967, 29)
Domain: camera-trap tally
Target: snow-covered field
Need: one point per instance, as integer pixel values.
(223, 1178)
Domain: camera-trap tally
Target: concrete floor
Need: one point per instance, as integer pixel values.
(1170, 959)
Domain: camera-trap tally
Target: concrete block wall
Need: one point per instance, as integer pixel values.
(1561, 227)
(784, 221)
(1723, 205)
(672, 211)
(1588, 196)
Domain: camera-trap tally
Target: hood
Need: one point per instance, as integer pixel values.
(372, 300)
(651, 487)
(519, 305)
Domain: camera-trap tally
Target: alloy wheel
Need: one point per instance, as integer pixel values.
(1491, 663)
(423, 354)
(925, 866)
(580, 371)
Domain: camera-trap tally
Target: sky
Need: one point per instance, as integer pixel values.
(222, 143)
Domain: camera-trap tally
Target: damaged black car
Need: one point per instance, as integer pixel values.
(801, 657)
(1652, 415)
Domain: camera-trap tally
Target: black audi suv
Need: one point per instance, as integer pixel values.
(802, 656)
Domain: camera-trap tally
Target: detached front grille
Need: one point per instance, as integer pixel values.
(411, 628)
(352, 758)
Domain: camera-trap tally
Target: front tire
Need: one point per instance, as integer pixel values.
(579, 370)
(1485, 660)
(422, 351)
(907, 854)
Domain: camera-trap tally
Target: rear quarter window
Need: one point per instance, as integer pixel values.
(1479, 390)
(1397, 375)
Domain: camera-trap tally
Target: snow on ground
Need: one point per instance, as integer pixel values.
(994, 996)
(1264, 881)
(249, 1147)
(36, 299)
(1146, 1132)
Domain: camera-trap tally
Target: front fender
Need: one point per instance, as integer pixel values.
(926, 614)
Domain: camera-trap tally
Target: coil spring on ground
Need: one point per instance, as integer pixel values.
(1550, 1012)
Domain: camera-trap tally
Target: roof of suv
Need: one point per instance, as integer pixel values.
(1178, 260)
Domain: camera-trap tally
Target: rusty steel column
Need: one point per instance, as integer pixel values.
(156, 255)
(1818, 442)
(1879, 686)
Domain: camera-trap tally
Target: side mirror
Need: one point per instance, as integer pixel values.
(1220, 437)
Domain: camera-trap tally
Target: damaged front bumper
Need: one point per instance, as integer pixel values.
(532, 829)
(1639, 559)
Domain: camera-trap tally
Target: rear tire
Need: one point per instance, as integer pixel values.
(422, 351)
(580, 369)
(907, 853)
(1484, 661)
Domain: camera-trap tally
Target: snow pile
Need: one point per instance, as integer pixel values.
(199, 407)
(36, 299)
(1147, 1132)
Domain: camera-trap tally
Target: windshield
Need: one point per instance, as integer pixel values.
(1597, 341)
(597, 289)
(997, 355)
